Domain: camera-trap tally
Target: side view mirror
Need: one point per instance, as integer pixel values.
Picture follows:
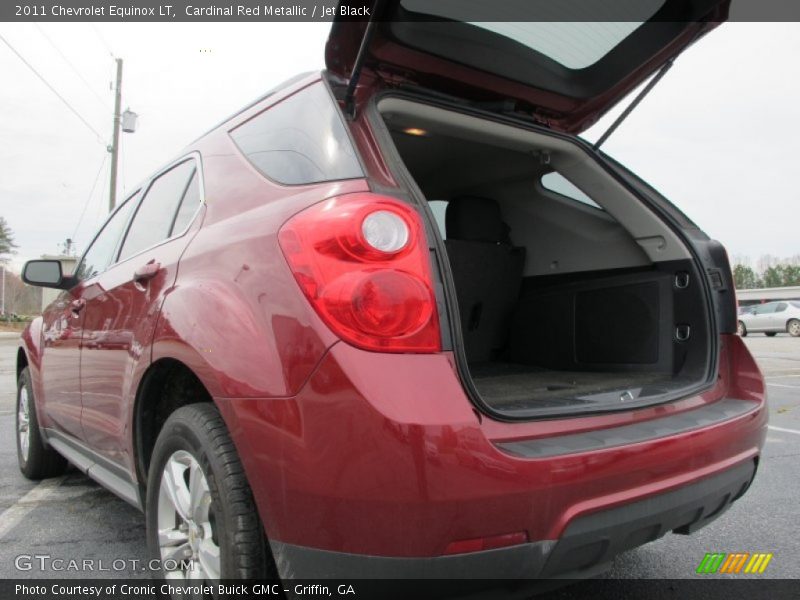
(47, 273)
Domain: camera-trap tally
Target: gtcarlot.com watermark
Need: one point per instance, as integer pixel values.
(49, 563)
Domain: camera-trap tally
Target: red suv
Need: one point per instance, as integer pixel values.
(397, 319)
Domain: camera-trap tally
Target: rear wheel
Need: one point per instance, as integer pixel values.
(793, 327)
(36, 461)
(770, 333)
(741, 329)
(199, 505)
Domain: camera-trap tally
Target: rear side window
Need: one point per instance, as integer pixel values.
(100, 253)
(299, 140)
(781, 307)
(153, 221)
(554, 182)
(189, 205)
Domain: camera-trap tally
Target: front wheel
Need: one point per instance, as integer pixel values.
(741, 329)
(201, 519)
(793, 327)
(36, 461)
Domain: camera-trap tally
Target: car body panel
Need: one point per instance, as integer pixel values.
(62, 330)
(238, 279)
(120, 321)
(400, 466)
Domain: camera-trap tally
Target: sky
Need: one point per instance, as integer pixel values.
(717, 136)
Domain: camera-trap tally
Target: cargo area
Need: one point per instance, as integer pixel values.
(572, 295)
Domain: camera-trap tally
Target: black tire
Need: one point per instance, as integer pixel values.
(41, 461)
(741, 329)
(199, 430)
(793, 327)
(770, 333)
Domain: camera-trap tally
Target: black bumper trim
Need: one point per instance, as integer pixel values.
(711, 414)
(595, 539)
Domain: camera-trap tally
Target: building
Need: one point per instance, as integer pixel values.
(760, 295)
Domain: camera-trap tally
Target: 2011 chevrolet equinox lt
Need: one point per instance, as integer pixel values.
(397, 319)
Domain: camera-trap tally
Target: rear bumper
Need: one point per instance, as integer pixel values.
(586, 548)
(382, 460)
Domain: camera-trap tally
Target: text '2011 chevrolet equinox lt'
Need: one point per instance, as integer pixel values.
(396, 319)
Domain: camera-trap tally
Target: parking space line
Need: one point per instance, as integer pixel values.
(11, 516)
(783, 385)
(783, 429)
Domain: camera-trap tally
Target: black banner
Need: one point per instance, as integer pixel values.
(326, 10)
(752, 588)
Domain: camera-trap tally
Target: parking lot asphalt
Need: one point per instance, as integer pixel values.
(72, 517)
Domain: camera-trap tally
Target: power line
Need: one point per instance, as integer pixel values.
(102, 39)
(71, 66)
(52, 89)
(91, 193)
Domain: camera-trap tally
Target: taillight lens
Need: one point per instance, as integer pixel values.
(362, 262)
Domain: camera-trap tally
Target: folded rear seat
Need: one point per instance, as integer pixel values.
(487, 271)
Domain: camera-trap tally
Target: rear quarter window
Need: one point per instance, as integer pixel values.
(300, 140)
(557, 183)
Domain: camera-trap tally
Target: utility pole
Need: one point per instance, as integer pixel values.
(114, 148)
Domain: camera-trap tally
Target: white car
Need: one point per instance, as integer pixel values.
(771, 318)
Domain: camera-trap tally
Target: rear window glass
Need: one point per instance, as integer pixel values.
(573, 45)
(554, 182)
(795, 304)
(574, 48)
(438, 208)
(573, 33)
(299, 140)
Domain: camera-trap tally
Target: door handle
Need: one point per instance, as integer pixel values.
(146, 271)
(76, 306)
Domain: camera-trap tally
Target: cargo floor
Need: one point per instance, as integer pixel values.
(513, 386)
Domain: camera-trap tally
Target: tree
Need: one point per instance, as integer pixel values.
(21, 299)
(7, 244)
(775, 276)
(744, 278)
(791, 275)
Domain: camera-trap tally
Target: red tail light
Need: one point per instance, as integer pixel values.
(362, 262)
(486, 543)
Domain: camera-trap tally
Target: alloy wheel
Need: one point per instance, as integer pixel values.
(23, 423)
(186, 529)
(794, 328)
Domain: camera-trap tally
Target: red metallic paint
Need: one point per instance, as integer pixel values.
(383, 455)
(59, 390)
(119, 320)
(347, 449)
(397, 64)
